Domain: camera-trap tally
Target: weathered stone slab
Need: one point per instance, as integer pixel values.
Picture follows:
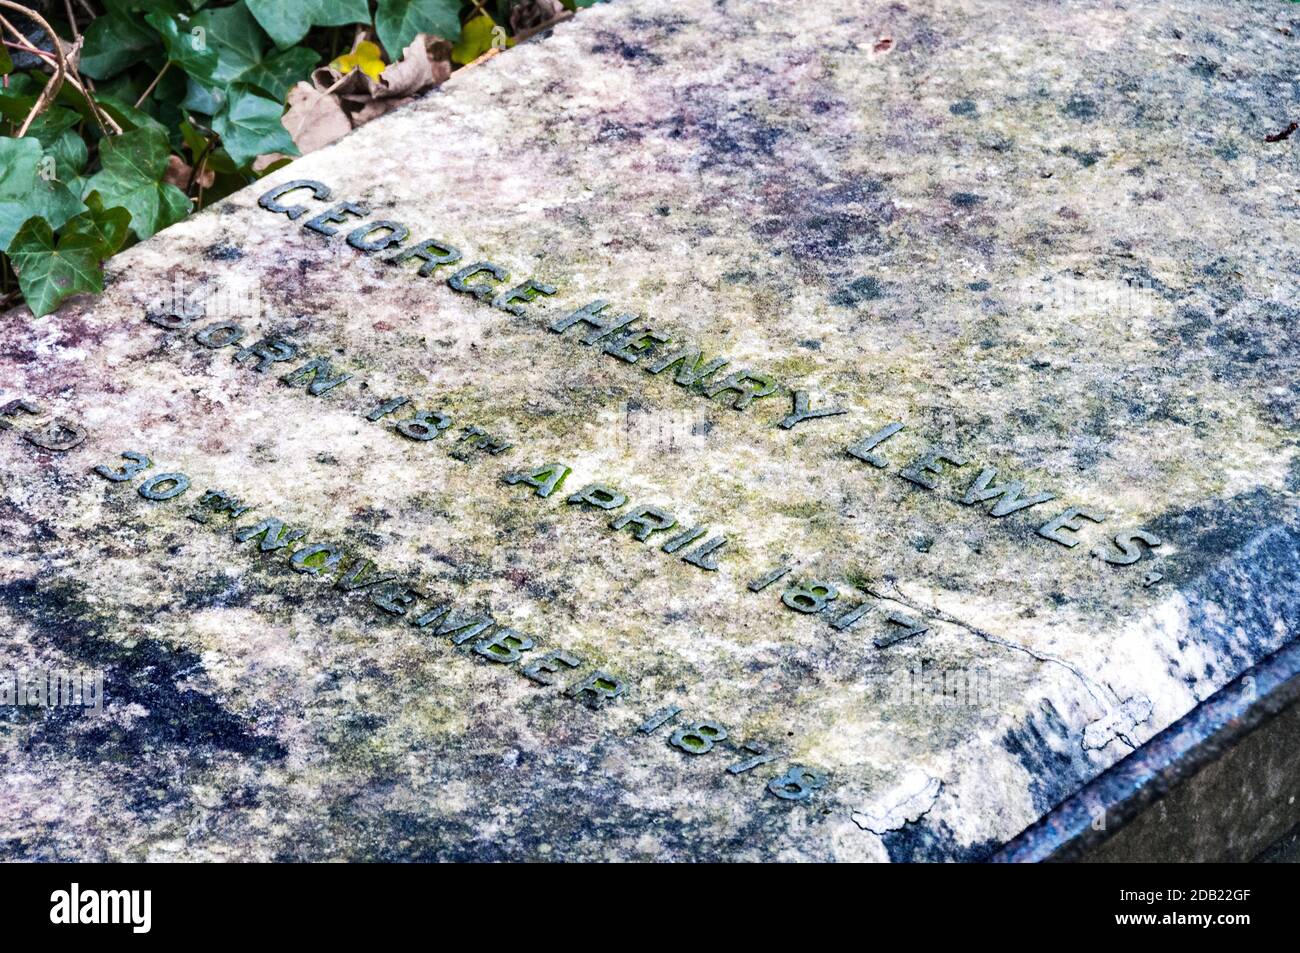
(1039, 258)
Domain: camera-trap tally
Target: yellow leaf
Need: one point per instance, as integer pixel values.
(367, 57)
(478, 36)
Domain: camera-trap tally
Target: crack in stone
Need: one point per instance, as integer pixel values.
(1109, 706)
(880, 819)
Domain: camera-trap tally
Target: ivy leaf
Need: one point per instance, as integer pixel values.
(367, 57)
(194, 140)
(239, 42)
(218, 160)
(106, 226)
(113, 42)
(25, 193)
(191, 52)
(398, 21)
(15, 106)
(133, 165)
(53, 130)
(475, 41)
(287, 21)
(70, 155)
(6, 64)
(277, 74)
(125, 7)
(202, 98)
(250, 126)
(127, 116)
(50, 125)
(49, 272)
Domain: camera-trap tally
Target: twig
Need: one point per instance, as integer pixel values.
(486, 55)
(60, 66)
(196, 170)
(1284, 134)
(72, 19)
(150, 88)
(523, 35)
(100, 115)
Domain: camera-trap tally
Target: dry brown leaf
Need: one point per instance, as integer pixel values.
(439, 49)
(270, 159)
(376, 108)
(425, 63)
(179, 171)
(328, 79)
(315, 118)
(412, 74)
(530, 14)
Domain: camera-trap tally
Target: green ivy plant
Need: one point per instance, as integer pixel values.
(90, 147)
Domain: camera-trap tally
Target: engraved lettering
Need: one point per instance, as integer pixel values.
(910, 627)
(515, 299)
(505, 645)
(703, 557)
(164, 486)
(848, 619)
(684, 539)
(545, 479)
(395, 599)
(387, 407)
(315, 558)
(361, 574)
(321, 372)
(359, 238)
(1129, 543)
(598, 495)
(631, 346)
(60, 436)
(802, 412)
(645, 520)
(925, 469)
(590, 314)
(275, 535)
(270, 200)
(765, 580)
(862, 449)
(698, 738)
(544, 670)
(1009, 493)
(336, 214)
(748, 386)
(224, 334)
(659, 719)
(136, 462)
(597, 689)
(1054, 529)
(425, 425)
(268, 351)
(432, 252)
(482, 291)
(692, 369)
(811, 597)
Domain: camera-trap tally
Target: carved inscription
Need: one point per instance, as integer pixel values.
(474, 630)
(633, 340)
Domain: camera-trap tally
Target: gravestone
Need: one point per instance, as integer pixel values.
(737, 430)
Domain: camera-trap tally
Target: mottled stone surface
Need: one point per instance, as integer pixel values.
(1051, 238)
